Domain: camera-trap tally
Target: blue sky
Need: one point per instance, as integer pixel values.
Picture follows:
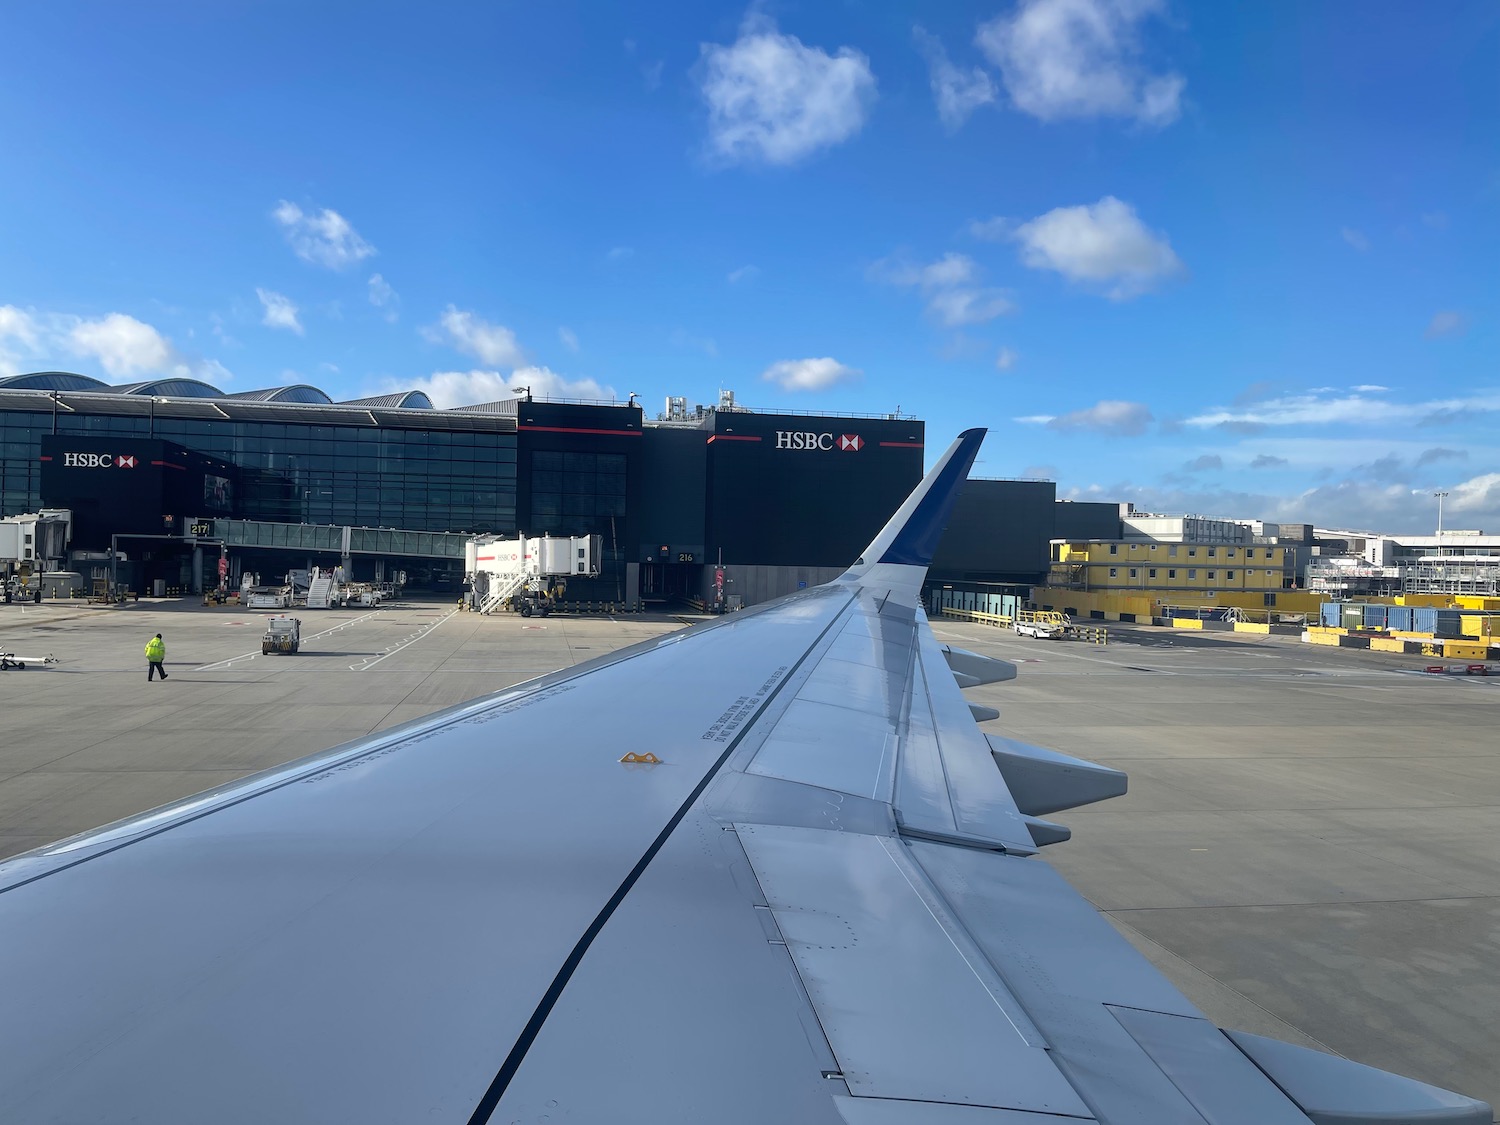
(1235, 259)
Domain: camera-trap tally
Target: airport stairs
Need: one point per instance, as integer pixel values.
(320, 592)
(501, 588)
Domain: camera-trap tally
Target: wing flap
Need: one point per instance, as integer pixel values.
(851, 911)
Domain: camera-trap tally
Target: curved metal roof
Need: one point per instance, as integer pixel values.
(296, 392)
(168, 388)
(52, 381)
(300, 394)
(399, 400)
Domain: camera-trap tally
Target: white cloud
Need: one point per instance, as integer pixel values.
(950, 269)
(19, 334)
(568, 337)
(620, 253)
(958, 92)
(1268, 461)
(809, 374)
(123, 346)
(1446, 323)
(18, 324)
(744, 273)
(953, 298)
(1006, 360)
(991, 230)
(1369, 388)
(956, 307)
(1477, 494)
(280, 312)
(1355, 238)
(1391, 507)
(1109, 416)
(324, 238)
(448, 389)
(1104, 243)
(772, 99)
(1080, 58)
(1316, 409)
(494, 344)
(384, 298)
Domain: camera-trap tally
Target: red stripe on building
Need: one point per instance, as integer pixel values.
(729, 437)
(903, 444)
(170, 465)
(578, 430)
(45, 457)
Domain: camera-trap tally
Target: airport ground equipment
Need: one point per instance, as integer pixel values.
(283, 634)
(529, 574)
(10, 662)
(767, 869)
(269, 597)
(1041, 624)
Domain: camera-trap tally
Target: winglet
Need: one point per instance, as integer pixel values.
(901, 553)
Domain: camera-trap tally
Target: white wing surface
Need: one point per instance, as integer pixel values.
(765, 870)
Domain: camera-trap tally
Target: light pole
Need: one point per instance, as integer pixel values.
(1440, 496)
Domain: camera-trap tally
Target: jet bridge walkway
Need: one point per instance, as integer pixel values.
(334, 539)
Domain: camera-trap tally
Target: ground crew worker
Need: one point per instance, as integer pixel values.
(156, 652)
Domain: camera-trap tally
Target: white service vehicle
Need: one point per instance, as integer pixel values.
(1040, 628)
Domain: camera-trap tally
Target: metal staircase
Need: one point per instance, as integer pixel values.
(502, 587)
(320, 592)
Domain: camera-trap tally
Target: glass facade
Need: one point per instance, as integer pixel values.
(576, 493)
(298, 472)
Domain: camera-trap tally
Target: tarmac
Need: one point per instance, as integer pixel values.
(1310, 847)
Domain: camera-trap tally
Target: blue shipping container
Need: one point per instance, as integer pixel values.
(1424, 619)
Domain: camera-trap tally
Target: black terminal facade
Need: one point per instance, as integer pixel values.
(776, 500)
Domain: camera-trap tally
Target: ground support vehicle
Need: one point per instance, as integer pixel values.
(283, 634)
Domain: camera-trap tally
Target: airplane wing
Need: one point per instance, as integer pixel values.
(768, 869)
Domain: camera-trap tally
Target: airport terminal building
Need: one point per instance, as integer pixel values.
(172, 474)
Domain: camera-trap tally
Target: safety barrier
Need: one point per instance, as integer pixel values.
(1093, 634)
(1000, 620)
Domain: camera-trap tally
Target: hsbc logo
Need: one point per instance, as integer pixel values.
(99, 461)
(807, 440)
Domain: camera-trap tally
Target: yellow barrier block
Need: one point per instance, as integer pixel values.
(1324, 638)
(1387, 644)
(1186, 623)
(1251, 627)
(1465, 650)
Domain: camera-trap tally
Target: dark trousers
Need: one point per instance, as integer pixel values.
(155, 667)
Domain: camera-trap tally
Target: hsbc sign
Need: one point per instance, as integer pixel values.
(99, 461)
(807, 440)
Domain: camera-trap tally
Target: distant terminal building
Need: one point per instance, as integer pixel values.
(174, 475)
(1452, 563)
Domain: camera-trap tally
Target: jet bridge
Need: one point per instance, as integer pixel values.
(528, 573)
